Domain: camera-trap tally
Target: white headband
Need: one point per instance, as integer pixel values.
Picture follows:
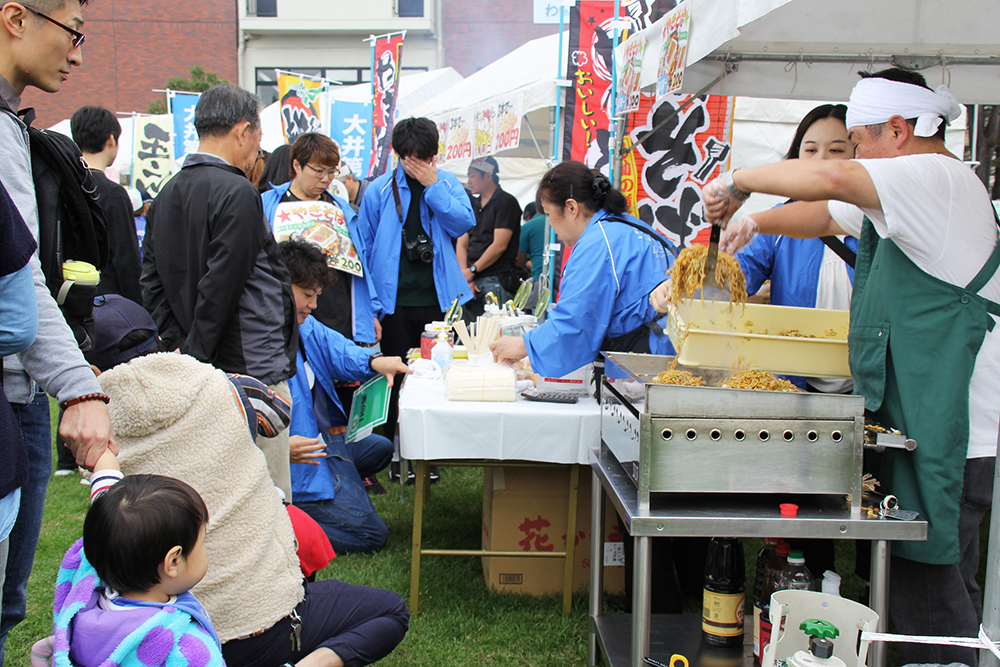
(874, 101)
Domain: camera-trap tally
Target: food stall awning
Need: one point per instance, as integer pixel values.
(813, 49)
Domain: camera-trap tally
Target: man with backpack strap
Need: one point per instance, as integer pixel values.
(39, 45)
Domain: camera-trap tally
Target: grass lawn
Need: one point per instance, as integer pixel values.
(460, 622)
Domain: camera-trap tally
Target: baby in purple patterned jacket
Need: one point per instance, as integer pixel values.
(123, 593)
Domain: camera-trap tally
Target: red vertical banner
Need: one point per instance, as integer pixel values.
(591, 37)
(385, 74)
(662, 177)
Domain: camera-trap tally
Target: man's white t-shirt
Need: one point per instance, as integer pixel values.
(940, 215)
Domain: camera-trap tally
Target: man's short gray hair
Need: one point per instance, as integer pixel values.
(222, 107)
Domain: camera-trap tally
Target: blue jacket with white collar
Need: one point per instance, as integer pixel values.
(446, 214)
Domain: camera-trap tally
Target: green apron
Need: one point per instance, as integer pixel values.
(913, 343)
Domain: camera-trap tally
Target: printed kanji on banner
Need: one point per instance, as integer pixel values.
(152, 153)
(662, 178)
(589, 108)
(385, 74)
(182, 106)
(350, 127)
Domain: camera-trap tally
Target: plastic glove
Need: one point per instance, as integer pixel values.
(659, 298)
(738, 234)
(718, 202)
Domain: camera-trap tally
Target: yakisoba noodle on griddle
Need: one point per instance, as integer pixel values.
(688, 273)
(674, 376)
(759, 380)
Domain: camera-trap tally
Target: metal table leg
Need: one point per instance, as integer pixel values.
(641, 573)
(418, 529)
(879, 599)
(596, 563)
(574, 487)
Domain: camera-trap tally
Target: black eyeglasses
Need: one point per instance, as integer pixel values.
(78, 37)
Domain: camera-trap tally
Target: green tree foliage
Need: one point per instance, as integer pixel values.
(199, 82)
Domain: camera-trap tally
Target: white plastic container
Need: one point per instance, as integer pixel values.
(442, 353)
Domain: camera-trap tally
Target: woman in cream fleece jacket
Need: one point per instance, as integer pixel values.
(173, 415)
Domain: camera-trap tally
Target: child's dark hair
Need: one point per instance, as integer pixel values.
(132, 526)
(306, 264)
(575, 180)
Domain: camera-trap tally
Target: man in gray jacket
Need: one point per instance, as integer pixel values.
(212, 276)
(39, 45)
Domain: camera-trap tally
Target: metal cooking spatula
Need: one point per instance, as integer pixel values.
(711, 290)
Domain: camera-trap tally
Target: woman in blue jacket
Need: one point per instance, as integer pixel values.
(617, 261)
(349, 306)
(806, 272)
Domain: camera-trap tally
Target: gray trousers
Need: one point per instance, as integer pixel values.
(945, 600)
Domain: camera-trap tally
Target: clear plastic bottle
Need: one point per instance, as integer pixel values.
(796, 576)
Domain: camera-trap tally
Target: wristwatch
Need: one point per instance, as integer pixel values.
(737, 194)
(372, 358)
(472, 269)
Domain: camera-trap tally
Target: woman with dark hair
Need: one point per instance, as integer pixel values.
(277, 168)
(807, 272)
(617, 261)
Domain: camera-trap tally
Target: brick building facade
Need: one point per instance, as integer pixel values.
(478, 32)
(134, 46)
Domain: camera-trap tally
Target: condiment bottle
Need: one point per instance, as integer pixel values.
(724, 593)
(765, 554)
(441, 353)
(771, 574)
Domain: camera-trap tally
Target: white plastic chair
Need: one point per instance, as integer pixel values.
(850, 617)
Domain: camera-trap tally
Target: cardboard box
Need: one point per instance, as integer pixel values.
(524, 509)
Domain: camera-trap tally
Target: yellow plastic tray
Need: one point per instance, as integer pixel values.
(735, 337)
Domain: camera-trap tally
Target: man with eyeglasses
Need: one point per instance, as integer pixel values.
(212, 276)
(39, 46)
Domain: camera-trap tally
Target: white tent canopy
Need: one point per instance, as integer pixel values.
(812, 49)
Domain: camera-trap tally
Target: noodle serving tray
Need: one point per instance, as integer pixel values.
(697, 440)
(779, 339)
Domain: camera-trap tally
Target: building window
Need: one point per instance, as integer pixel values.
(410, 8)
(266, 8)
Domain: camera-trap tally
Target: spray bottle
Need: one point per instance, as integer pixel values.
(820, 654)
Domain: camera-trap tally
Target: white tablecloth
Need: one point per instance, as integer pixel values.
(432, 427)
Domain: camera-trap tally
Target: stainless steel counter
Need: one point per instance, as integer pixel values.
(709, 516)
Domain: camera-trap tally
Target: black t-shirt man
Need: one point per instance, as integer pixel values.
(501, 212)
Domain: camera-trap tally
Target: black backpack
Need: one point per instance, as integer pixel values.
(71, 222)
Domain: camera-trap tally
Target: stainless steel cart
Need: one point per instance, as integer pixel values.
(704, 462)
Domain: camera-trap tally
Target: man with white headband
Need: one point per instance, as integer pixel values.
(923, 349)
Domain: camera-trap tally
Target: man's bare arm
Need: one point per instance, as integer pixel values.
(802, 220)
(812, 181)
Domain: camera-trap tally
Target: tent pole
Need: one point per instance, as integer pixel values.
(991, 600)
(614, 160)
(548, 266)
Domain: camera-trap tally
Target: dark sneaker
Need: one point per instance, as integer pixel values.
(435, 474)
(373, 486)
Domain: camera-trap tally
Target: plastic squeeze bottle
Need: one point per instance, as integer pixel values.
(442, 353)
(765, 554)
